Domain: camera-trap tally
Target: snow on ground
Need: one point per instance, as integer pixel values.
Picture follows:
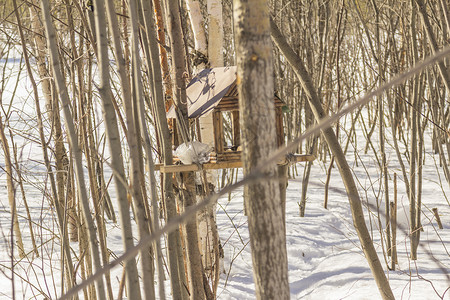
(324, 255)
(325, 259)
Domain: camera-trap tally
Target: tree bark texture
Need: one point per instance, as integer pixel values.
(157, 69)
(258, 136)
(215, 33)
(200, 60)
(156, 89)
(179, 95)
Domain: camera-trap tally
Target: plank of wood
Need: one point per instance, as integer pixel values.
(226, 164)
(194, 167)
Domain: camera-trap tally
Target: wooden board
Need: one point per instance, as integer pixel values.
(194, 167)
(226, 164)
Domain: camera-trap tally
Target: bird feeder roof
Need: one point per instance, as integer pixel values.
(210, 89)
(206, 89)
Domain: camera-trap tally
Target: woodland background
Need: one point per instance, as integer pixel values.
(84, 91)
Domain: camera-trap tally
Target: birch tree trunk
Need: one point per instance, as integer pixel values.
(256, 91)
(215, 33)
(200, 60)
(204, 57)
(215, 59)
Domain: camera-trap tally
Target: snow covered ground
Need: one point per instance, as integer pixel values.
(325, 259)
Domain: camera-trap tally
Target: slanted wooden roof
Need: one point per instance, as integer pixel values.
(210, 89)
(206, 89)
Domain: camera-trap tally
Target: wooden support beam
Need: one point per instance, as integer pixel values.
(218, 131)
(279, 126)
(236, 128)
(226, 164)
(194, 167)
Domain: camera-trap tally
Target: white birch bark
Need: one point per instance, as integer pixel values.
(198, 29)
(209, 237)
(215, 31)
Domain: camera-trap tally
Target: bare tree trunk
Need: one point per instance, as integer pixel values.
(194, 263)
(179, 282)
(177, 275)
(305, 179)
(24, 199)
(57, 193)
(393, 217)
(200, 60)
(134, 140)
(179, 95)
(54, 115)
(344, 169)
(11, 191)
(163, 53)
(86, 135)
(381, 132)
(113, 133)
(215, 32)
(415, 233)
(73, 139)
(256, 90)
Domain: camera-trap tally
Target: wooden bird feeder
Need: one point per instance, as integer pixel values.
(213, 94)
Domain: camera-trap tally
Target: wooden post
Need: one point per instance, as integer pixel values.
(393, 207)
(282, 175)
(438, 219)
(218, 131)
(236, 128)
(279, 126)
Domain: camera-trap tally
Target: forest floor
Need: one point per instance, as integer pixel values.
(324, 255)
(325, 258)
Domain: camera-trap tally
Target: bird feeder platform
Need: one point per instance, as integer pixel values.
(217, 165)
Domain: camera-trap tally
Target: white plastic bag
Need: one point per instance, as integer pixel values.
(193, 153)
